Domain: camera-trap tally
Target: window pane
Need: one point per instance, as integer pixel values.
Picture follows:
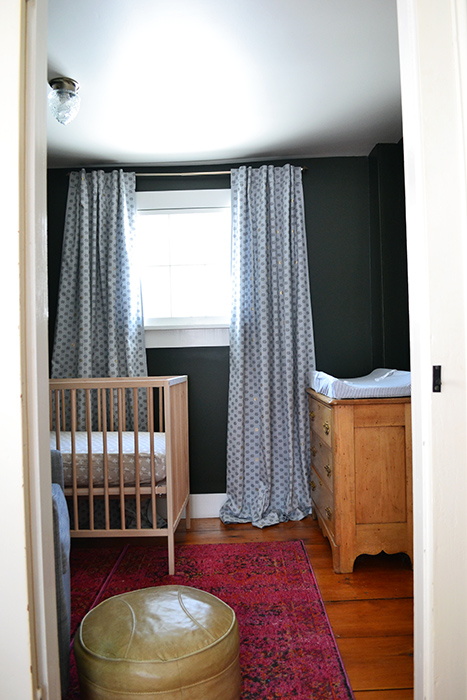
(198, 238)
(217, 290)
(185, 291)
(153, 239)
(200, 290)
(155, 286)
(218, 237)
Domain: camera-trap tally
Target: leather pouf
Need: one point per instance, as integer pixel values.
(162, 643)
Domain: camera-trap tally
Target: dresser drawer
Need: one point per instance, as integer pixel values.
(321, 460)
(323, 500)
(321, 420)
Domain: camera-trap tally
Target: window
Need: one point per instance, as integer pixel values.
(183, 240)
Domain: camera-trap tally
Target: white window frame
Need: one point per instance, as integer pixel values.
(185, 333)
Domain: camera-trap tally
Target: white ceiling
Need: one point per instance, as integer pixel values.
(191, 81)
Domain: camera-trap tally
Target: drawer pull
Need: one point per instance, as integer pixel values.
(328, 470)
(326, 428)
(313, 486)
(312, 415)
(328, 512)
(314, 451)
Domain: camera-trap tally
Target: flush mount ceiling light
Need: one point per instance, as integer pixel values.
(64, 99)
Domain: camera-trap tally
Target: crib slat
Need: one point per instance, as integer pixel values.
(161, 410)
(99, 418)
(120, 456)
(63, 403)
(150, 404)
(88, 423)
(73, 456)
(136, 458)
(57, 419)
(106, 459)
(111, 409)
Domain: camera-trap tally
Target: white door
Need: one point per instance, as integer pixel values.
(433, 41)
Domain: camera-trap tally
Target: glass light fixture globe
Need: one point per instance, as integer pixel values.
(63, 99)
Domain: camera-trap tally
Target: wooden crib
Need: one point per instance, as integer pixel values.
(124, 443)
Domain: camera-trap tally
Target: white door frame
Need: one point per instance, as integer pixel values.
(35, 316)
(433, 40)
(16, 656)
(28, 641)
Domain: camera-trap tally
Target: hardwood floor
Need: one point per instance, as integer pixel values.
(370, 610)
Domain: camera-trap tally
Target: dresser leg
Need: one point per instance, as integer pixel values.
(345, 563)
(336, 559)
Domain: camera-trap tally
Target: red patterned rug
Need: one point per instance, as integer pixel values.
(287, 648)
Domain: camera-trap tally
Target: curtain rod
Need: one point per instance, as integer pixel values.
(211, 172)
(199, 174)
(192, 174)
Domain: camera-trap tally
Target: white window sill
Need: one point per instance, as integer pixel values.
(186, 337)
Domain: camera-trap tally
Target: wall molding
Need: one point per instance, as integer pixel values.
(206, 505)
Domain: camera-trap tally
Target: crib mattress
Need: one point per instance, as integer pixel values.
(128, 452)
(381, 383)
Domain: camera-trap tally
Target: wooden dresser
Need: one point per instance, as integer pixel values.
(361, 475)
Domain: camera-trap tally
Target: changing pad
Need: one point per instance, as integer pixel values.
(381, 383)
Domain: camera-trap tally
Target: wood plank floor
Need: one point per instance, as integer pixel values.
(370, 610)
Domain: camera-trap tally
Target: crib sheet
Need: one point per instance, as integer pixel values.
(128, 442)
(381, 383)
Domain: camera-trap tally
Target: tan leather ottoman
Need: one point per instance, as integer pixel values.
(162, 643)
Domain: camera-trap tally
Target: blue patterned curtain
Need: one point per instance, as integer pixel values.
(99, 328)
(271, 350)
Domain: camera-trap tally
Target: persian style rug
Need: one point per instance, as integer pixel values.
(287, 648)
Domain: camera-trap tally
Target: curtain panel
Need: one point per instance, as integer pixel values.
(99, 328)
(271, 350)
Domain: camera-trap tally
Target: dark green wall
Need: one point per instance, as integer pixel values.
(347, 321)
(337, 220)
(390, 303)
(208, 381)
(57, 191)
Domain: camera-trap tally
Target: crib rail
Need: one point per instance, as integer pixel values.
(119, 405)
